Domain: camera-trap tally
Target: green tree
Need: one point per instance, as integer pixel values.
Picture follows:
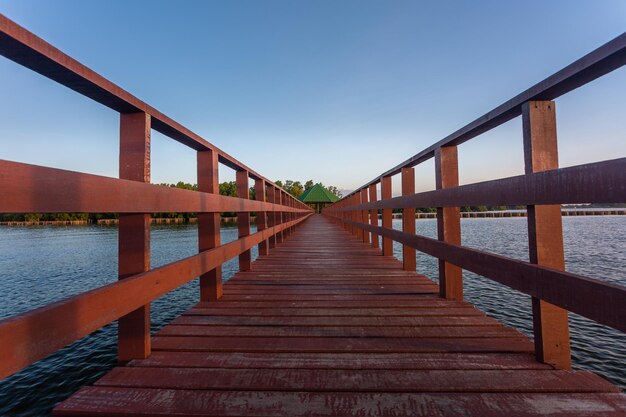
(228, 188)
(334, 190)
(308, 184)
(296, 189)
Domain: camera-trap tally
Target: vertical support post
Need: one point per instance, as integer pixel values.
(209, 224)
(385, 193)
(408, 219)
(287, 214)
(351, 214)
(545, 233)
(365, 216)
(243, 219)
(448, 222)
(134, 234)
(357, 215)
(374, 215)
(261, 219)
(346, 215)
(271, 196)
(279, 214)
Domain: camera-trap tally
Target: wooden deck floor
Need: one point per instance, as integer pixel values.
(325, 326)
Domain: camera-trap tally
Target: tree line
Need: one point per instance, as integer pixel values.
(227, 188)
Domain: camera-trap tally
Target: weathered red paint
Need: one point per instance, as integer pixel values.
(408, 219)
(448, 222)
(209, 224)
(261, 216)
(134, 234)
(545, 233)
(385, 193)
(243, 219)
(373, 214)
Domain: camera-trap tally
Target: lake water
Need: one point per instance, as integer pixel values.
(39, 265)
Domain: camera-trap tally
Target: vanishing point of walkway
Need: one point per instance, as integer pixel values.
(326, 326)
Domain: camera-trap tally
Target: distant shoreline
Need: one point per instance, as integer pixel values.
(521, 213)
(109, 222)
(418, 215)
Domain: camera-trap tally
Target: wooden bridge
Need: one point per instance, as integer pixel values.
(324, 322)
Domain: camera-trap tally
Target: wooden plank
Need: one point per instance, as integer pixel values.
(362, 361)
(290, 287)
(364, 303)
(333, 344)
(336, 331)
(339, 354)
(94, 401)
(344, 380)
(349, 321)
(335, 312)
(314, 297)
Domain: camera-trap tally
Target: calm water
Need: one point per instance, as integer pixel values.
(44, 264)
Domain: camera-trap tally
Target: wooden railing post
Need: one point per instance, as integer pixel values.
(354, 200)
(408, 219)
(373, 214)
(279, 214)
(243, 218)
(545, 233)
(209, 224)
(346, 215)
(448, 222)
(285, 202)
(358, 216)
(134, 234)
(271, 217)
(261, 216)
(365, 215)
(289, 215)
(385, 193)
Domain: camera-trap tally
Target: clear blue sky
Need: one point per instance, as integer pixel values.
(335, 91)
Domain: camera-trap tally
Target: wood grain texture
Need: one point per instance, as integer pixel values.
(325, 326)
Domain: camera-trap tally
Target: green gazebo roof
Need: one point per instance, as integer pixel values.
(318, 194)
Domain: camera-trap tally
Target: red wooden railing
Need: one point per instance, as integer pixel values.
(543, 188)
(25, 188)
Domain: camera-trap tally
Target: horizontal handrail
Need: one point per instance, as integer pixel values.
(35, 334)
(27, 188)
(542, 189)
(597, 63)
(29, 50)
(601, 301)
(599, 182)
(34, 189)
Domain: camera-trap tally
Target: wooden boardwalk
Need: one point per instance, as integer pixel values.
(326, 326)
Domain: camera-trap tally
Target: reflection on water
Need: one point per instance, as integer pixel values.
(40, 265)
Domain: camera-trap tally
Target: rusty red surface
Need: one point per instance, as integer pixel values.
(361, 353)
